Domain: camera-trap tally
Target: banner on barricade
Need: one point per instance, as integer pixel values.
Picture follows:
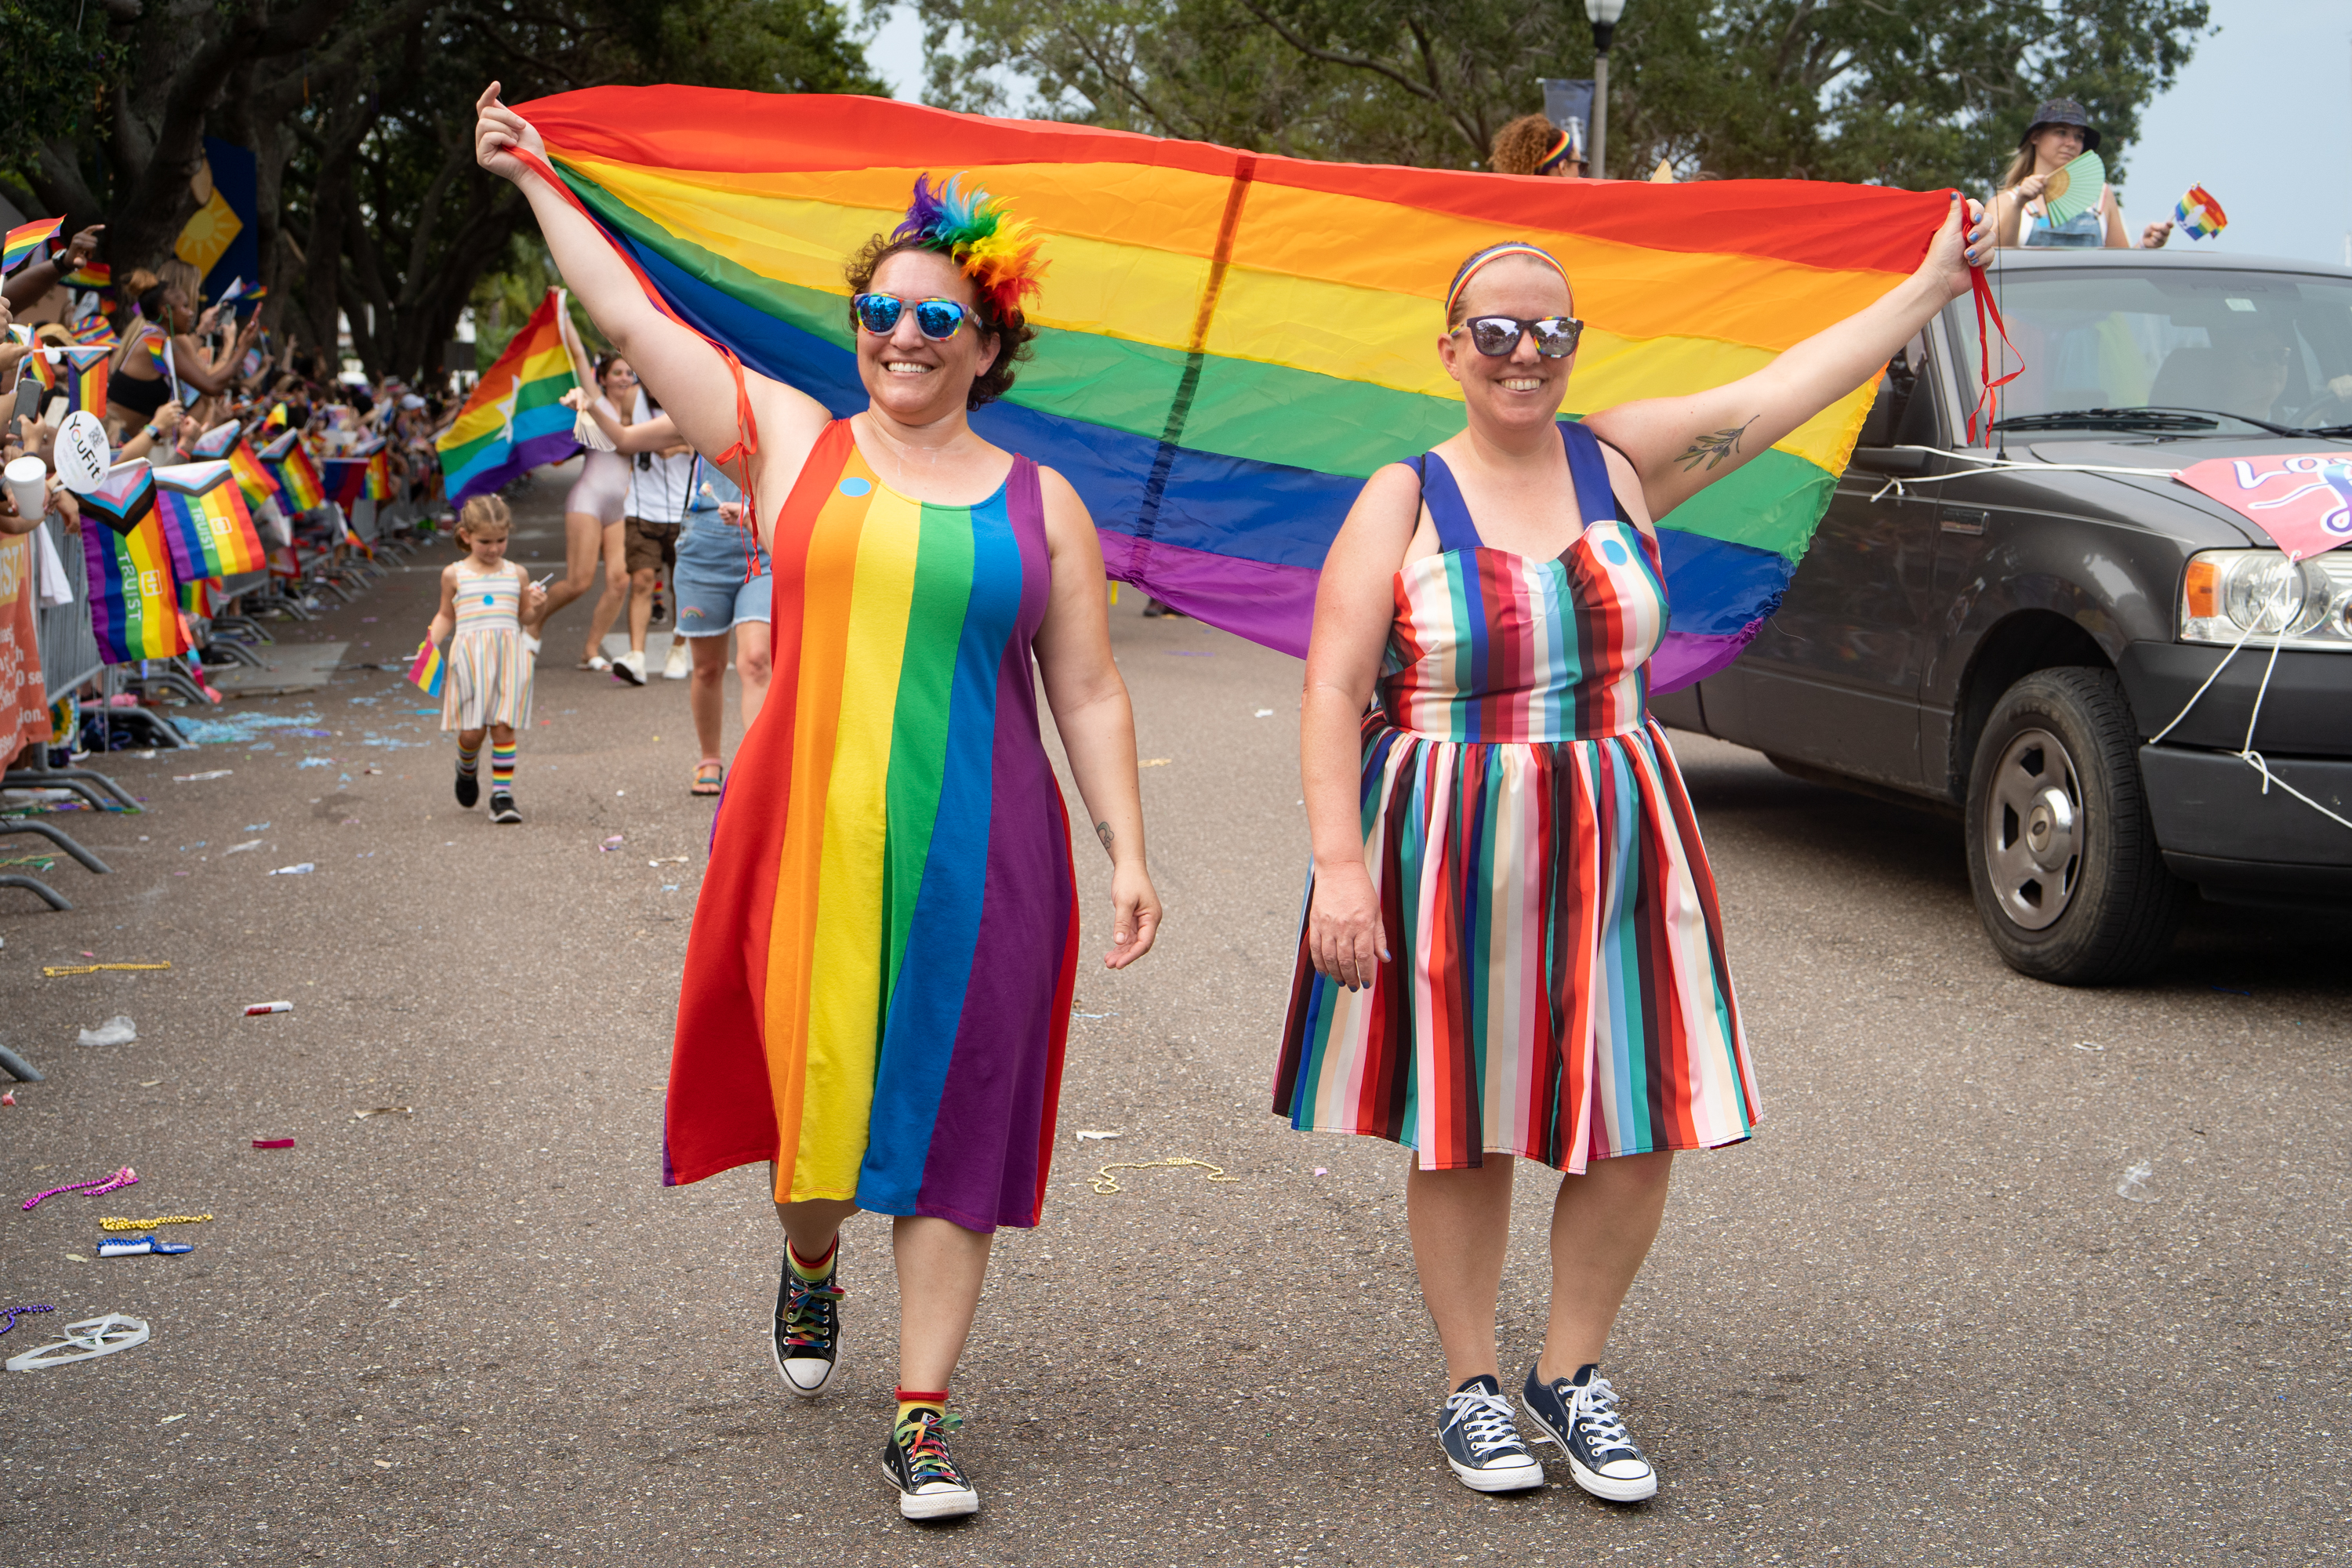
(134, 611)
(205, 522)
(24, 706)
(297, 475)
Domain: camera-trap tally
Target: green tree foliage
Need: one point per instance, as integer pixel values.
(1911, 93)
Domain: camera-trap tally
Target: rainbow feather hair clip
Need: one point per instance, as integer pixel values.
(978, 234)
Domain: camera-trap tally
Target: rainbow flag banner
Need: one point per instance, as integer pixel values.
(2200, 214)
(134, 610)
(78, 373)
(19, 244)
(252, 477)
(1230, 341)
(298, 476)
(204, 521)
(90, 275)
(427, 669)
(515, 419)
(124, 498)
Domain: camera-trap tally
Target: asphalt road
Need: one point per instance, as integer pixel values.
(1911, 1322)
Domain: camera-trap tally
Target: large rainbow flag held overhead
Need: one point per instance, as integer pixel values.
(1231, 342)
(515, 419)
(205, 523)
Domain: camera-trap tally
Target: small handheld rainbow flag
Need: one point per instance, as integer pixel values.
(124, 498)
(515, 419)
(204, 521)
(90, 275)
(216, 442)
(252, 477)
(22, 241)
(97, 332)
(298, 476)
(78, 373)
(2201, 214)
(134, 611)
(427, 670)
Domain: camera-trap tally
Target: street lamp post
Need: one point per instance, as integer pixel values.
(1604, 15)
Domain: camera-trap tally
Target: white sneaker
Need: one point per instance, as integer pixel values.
(631, 666)
(679, 664)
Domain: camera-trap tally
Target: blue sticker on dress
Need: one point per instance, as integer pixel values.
(487, 599)
(1612, 552)
(854, 486)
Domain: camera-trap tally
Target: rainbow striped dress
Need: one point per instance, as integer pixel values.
(1557, 987)
(878, 985)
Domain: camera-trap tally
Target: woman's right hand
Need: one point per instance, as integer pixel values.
(2029, 188)
(1344, 939)
(499, 128)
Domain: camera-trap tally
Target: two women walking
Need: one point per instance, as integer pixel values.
(1512, 949)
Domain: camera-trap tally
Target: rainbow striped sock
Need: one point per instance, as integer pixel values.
(502, 768)
(468, 759)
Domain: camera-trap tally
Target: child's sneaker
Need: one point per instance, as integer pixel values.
(808, 1328)
(1481, 1442)
(929, 1484)
(469, 787)
(502, 809)
(1579, 1415)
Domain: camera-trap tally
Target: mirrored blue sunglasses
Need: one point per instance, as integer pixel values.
(878, 314)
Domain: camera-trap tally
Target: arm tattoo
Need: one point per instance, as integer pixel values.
(1715, 449)
(1102, 831)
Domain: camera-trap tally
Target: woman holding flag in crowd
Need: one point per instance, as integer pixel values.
(878, 983)
(163, 351)
(1512, 948)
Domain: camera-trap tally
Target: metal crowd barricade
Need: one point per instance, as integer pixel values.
(69, 662)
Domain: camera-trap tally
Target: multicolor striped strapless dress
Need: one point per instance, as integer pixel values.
(878, 983)
(1557, 986)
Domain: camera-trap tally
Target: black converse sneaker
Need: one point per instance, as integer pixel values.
(503, 807)
(469, 787)
(929, 1484)
(1579, 1415)
(808, 1328)
(1481, 1441)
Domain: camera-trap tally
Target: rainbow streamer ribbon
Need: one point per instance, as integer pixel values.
(2200, 214)
(134, 610)
(297, 476)
(1230, 342)
(427, 669)
(21, 242)
(204, 521)
(515, 419)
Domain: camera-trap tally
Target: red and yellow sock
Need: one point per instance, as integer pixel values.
(813, 1269)
(911, 1400)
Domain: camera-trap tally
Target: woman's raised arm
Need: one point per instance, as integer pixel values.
(1682, 444)
(685, 372)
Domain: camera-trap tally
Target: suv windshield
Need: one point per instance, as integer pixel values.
(2270, 347)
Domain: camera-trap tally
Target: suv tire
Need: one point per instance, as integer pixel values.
(2069, 884)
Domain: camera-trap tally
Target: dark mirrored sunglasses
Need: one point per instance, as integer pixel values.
(879, 313)
(1495, 336)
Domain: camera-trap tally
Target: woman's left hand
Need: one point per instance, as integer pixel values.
(1135, 922)
(1963, 242)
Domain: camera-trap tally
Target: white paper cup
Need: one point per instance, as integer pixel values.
(28, 481)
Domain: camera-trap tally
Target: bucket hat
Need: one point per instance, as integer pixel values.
(2063, 111)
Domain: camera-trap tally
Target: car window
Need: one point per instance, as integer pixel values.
(2269, 346)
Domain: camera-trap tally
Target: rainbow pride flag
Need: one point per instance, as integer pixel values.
(204, 520)
(124, 498)
(196, 597)
(216, 442)
(79, 375)
(252, 477)
(96, 332)
(2198, 214)
(134, 610)
(428, 668)
(91, 275)
(298, 476)
(515, 419)
(19, 243)
(1230, 342)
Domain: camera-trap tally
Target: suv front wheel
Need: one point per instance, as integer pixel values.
(2062, 852)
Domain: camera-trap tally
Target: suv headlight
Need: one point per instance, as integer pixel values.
(2262, 597)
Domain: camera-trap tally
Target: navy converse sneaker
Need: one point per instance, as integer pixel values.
(929, 1484)
(1580, 1414)
(1481, 1442)
(808, 1328)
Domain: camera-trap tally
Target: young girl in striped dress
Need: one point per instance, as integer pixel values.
(484, 599)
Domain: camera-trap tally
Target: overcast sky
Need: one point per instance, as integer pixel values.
(2262, 118)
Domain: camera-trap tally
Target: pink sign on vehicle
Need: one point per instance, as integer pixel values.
(2302, 501)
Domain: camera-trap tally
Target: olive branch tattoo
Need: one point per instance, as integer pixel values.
(1102, 831)
(1715, 449)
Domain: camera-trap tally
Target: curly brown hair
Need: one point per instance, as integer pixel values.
(1519, 148)
(1013, 332)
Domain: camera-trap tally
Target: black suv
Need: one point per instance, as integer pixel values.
(2028, 644)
